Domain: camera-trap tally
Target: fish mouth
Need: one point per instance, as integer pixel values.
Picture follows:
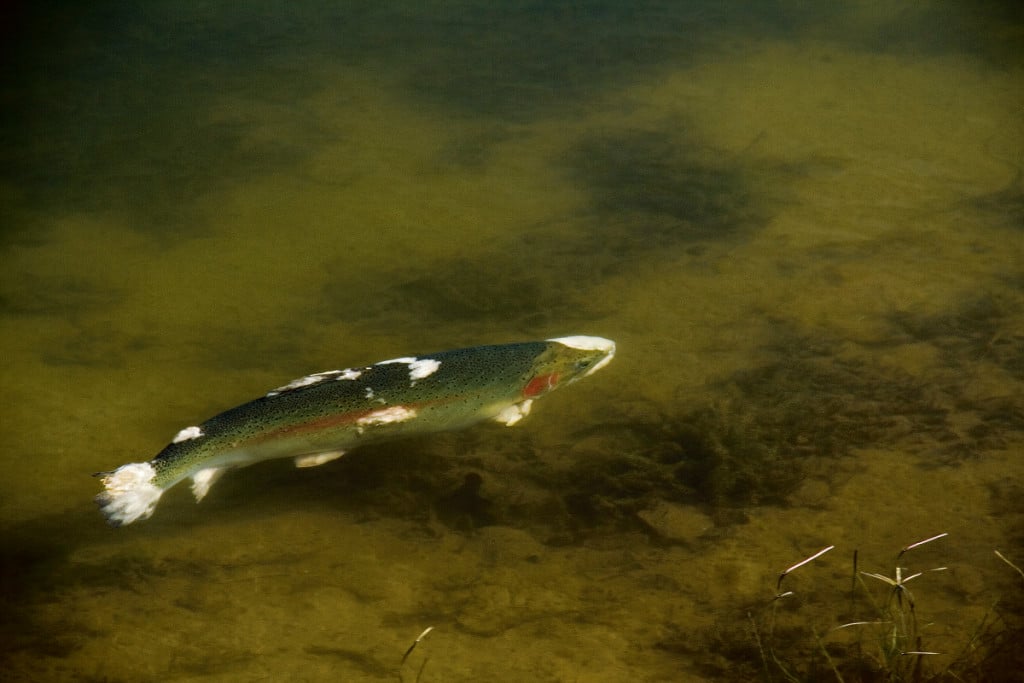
(601, 363)
(587, 343)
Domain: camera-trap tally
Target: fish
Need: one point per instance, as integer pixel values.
(317, 418)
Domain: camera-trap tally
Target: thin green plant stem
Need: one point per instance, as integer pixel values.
(760, 647)
(828, 657)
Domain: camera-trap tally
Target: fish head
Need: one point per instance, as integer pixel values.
(565, 360)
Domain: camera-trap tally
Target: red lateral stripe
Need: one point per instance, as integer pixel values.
(336, 420)
(313, 425)
(540, 384)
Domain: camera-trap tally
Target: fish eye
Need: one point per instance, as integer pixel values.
(583, 364)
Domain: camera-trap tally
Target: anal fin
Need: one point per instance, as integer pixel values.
(204, 479)
(317, 458)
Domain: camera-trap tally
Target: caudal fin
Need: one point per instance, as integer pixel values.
(128, 493)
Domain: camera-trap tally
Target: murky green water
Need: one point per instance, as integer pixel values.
(803, 228)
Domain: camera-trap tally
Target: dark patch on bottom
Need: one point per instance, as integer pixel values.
(653, 195)
(366, 663)
(465, 508)
(986, 328)
(1006, 206)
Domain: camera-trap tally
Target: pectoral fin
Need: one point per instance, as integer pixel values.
(512, 414)
(317, 458)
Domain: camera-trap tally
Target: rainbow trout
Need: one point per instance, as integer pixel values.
(315, 419)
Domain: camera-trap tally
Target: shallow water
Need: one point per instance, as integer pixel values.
(804, 229)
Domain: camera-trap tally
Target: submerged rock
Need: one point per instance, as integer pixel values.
(675, 522)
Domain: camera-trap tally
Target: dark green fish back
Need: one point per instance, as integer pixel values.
(475, 376)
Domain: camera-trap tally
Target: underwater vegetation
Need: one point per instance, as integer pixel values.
(980, 330)
(878, 628)
(760, 434)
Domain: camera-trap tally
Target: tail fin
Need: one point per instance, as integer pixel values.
(129, 493)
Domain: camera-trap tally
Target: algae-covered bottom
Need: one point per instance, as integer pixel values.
(802, 226)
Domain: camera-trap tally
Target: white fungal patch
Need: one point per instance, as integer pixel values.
(316, 378)
(387, 416)
(129, 493)
(512, 414)
(369, 392)
(403, 359)
(585, 343)
(186, 434)
(419, 368)
(303, 382)
(424, 367)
